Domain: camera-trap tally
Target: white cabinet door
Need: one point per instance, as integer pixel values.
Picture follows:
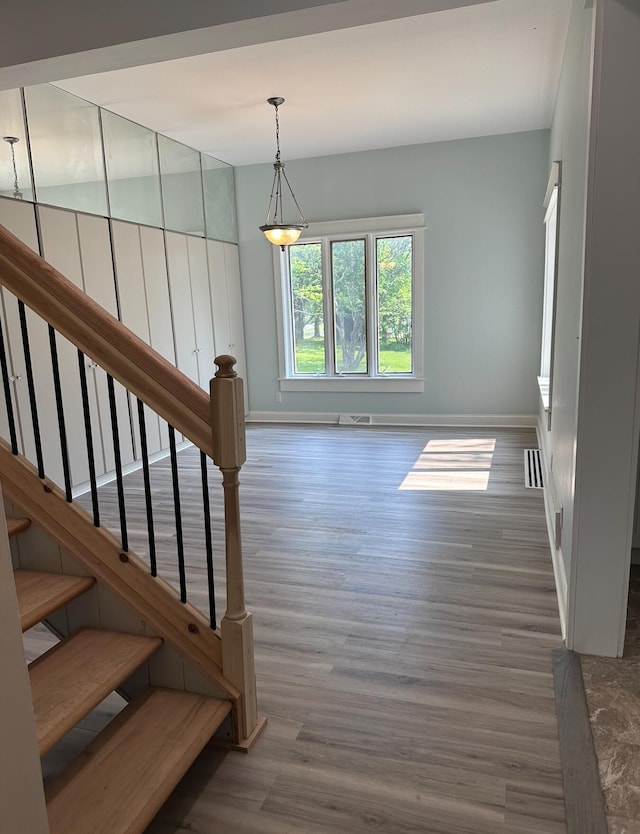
(201, 301)
(178, 293)
(181, 305)
(19, 219)
(61, 248)
(127, 257)
(236, 319)
(154, 266)
(219, 298)
(99, 284)
(226, 305)
(5, 432)
(130, 273)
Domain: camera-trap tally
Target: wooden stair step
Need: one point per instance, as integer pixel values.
(41, 593)
(72, 678)
(120, 781)
(17, 525)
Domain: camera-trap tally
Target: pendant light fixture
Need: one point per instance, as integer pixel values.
(276, 230)
(17, 194)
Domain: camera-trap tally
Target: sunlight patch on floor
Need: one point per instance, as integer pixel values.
(462, 464)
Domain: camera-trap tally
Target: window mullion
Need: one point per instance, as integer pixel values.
(372, 305)
(329, 318)
(285, 266)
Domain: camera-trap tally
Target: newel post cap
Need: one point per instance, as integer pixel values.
(225, 364)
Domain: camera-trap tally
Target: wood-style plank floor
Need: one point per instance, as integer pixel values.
(404, 614)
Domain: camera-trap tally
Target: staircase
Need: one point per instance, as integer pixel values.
(201, 673)
(119, 782)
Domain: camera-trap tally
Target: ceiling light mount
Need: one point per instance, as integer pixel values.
(12, 140)
(275, 229)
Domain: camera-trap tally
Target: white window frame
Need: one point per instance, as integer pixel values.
(369, 229)
(552, 236)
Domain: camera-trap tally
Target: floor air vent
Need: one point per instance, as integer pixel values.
(354, 419)
(533, 469)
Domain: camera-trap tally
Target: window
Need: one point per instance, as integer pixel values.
(549, 302)
(350, 306)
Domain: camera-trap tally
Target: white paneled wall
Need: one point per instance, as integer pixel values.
(178, 293)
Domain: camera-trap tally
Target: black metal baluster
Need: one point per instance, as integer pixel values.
(32, 388)
(89, 438)
(7, 394)
(118, 461)
(176, 503)
(207, 538)
(147, 489)
(64, 448)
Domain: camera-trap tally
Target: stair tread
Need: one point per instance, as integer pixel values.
(17, 525)
(120, 781)
(41, 593)
(73, 677)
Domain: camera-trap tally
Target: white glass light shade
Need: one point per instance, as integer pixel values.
(281, 235)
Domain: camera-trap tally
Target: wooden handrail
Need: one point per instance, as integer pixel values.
(107, 341)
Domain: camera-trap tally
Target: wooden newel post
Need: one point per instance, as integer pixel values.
(229, 453)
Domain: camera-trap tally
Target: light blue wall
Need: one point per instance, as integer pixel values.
(482, 202)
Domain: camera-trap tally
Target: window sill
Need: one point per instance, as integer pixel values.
(389, 385)
(543, 385)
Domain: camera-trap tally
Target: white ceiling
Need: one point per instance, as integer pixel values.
(479, 70)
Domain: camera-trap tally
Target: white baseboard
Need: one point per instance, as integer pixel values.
(127, 469)
(561, 586)
(550, 509)
(455, 420)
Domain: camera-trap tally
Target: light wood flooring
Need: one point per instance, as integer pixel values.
(404, 614)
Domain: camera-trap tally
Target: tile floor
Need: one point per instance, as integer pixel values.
(612, 687)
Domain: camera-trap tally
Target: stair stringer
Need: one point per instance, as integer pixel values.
(63, 539)
(12, 512)
(99, 608)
